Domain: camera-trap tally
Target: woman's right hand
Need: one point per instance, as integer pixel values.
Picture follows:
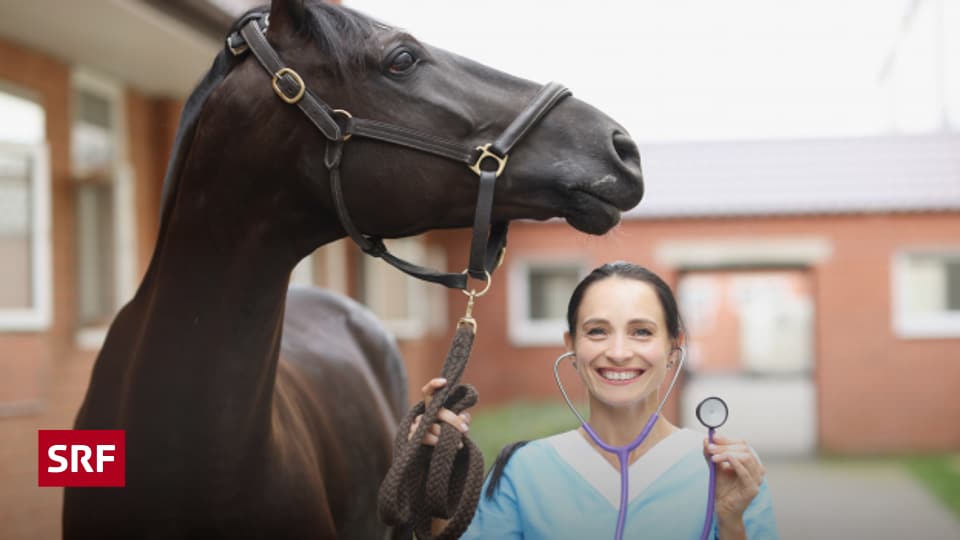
(459, 421)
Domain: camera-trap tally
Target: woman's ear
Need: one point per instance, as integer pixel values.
(678, 345)
(677, 352)
(568, 343)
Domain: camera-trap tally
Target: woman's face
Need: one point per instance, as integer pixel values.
(622, 345)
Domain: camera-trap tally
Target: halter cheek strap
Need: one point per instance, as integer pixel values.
(489, 239)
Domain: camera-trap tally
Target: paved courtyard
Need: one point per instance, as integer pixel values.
(870, 501)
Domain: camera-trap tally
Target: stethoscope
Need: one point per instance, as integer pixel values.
(712, 413)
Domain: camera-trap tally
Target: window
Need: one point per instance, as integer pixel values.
(926, 285)
(24, 215)
(408, 306)
(103, 195)
(538, 297)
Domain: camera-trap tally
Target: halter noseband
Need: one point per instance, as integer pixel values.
(489, 240)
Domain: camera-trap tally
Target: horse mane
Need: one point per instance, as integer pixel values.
(342, 35)
(496, 472)
(222, 64)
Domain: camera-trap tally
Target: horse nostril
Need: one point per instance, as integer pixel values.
(629, 156)
(626, 150)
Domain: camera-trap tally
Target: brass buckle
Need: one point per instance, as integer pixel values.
(346, 136)
(296, 77)
(486, 153)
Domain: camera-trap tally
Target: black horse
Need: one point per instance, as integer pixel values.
(238, 423)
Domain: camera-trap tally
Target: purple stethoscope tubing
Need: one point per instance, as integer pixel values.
(711, 493)
(623, 456)
(623, 452)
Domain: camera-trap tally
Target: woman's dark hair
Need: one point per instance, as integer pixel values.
(628, 271)
(496, 472)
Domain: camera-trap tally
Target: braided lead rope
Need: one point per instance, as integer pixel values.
(436, 482)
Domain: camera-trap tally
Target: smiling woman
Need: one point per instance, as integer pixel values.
(625, 336)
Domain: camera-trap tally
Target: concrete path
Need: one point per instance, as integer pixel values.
(870, 501)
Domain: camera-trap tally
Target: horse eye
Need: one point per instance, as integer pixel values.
(401, 63)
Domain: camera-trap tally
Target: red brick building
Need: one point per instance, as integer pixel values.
(91, 94)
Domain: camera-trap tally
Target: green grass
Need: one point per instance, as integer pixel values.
(493, 428)
(940, 474)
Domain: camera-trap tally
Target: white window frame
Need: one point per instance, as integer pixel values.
(124, 211)
(521, 329)
(426, 302)
(38, 316)
(913, 326)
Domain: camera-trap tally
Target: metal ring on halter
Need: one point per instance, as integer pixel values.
(473, 292)
(346, 136)
(563, 391)
(238, 49)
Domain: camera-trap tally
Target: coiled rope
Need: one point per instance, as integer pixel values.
(443, 481)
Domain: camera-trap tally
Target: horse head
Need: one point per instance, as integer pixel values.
(575, 162)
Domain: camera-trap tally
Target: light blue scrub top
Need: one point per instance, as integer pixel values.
(561, 488)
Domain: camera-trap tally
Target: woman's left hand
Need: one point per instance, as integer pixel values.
(739, 474)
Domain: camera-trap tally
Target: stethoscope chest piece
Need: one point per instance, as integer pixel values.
(712, 412)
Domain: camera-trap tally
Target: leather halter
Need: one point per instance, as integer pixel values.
(338, 126)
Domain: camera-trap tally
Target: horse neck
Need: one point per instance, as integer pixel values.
(199, 344)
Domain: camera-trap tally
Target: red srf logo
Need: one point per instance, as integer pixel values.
(81, 458)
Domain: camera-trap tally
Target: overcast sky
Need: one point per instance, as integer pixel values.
(705, 69)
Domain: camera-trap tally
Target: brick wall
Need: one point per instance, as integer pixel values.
(151, 127)
(41, 358)
(42, 375)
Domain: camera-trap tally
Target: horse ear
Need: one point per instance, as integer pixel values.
(287, 14)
